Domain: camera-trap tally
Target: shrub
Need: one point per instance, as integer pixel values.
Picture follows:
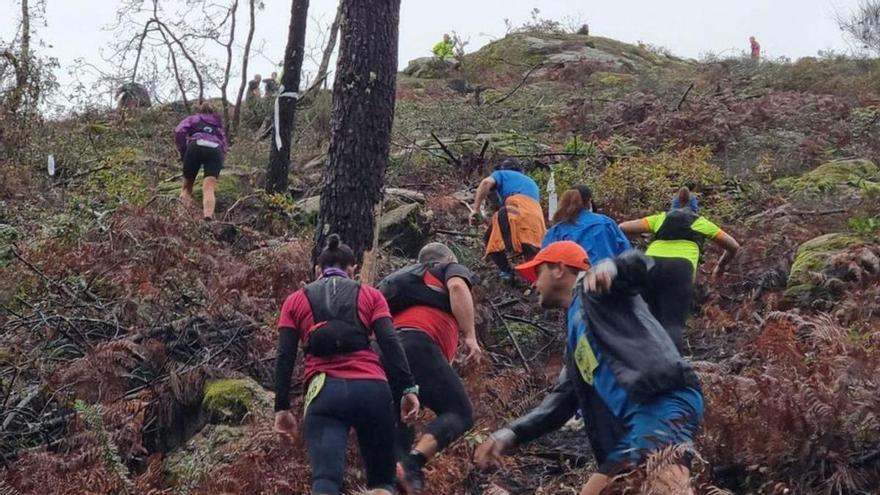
(644, 184)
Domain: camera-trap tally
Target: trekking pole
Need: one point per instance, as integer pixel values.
(512, 336)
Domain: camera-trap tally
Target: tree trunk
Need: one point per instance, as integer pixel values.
(279, 158)
(363, 111)
(25, 55)
(236, 115)
(233, 9)
(331, 44)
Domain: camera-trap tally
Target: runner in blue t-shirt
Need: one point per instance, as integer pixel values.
(518, 226)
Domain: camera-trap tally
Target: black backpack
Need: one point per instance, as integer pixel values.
(406, 288)
(677, 225)
(337, 329)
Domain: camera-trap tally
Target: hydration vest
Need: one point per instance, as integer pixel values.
(677, 226)
(202, 127)
(338, 328)
(406, 288)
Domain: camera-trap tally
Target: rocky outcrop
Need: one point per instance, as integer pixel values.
(429, 68)
(847, 178)
(230, 401)
(824, 265)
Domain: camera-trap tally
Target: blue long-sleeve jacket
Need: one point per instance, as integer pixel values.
(597, 234)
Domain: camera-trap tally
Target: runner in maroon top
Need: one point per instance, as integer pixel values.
(335, 318)
(429, 311)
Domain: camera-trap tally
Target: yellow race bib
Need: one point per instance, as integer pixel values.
(315, 386)
(585, 360)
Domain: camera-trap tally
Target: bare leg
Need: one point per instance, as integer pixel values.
(186, 193)
(595, 484)
(208, 200)
(427, 446)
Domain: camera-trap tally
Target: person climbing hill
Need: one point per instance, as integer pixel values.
(576, 220)
(679, 235)
(518, 226)
(201, 143)
(444, 48)
(637, 393)
(347, 386)
(431, 302)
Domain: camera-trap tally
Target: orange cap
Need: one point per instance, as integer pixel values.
(567, 253)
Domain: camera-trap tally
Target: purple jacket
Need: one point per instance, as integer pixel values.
(200, 126)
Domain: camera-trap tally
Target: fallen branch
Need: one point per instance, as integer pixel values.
(512, 337)
(539, 155)
(819, 212)
(506, 303)
(235, 205)
(42, 275)
(446, 150)
(454, 232)
(518, 86)
(483, 149)
(684, 97)
(81, 174)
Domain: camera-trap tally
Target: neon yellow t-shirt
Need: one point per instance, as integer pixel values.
(443, 50)
(680, 248)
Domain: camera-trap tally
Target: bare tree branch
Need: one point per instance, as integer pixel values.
(236, 118)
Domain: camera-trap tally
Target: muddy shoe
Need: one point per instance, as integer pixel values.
(410, 477)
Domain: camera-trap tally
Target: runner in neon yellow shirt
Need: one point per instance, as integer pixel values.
(444, 49)
(678, 240)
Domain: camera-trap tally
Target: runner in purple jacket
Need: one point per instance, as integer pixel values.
(201, 142)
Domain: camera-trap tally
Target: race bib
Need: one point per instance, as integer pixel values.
(315, 386)
(585, 360)
(207, 144)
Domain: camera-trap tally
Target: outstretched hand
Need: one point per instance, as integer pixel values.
(598, 282)
(474, 217)
(474, 352)
(409, 408)
(285, 426)
(600, 278)
(489, 453)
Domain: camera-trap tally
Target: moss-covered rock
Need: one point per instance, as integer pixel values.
(8, 235)
(850, 177)
(813, 263)
(405, 229)
(514, 53)
(231, 400)
(429, 68)
(212, 446)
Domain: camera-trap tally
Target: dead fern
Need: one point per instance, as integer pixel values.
(114, 465)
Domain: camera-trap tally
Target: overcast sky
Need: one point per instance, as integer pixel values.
(689, 28)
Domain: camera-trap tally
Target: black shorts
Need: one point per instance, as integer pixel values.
(198, 156)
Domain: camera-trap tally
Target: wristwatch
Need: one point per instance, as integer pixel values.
(411, 390)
